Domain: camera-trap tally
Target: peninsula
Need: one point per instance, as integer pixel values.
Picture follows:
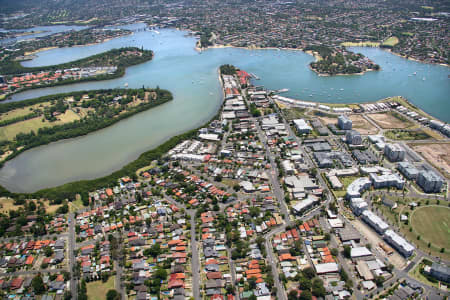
(39, 121)
(107, 65)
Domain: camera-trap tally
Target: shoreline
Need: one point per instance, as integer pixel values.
(201, 49)
(83, 45)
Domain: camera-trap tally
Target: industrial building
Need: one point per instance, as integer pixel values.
(394, 152)
(399, 243)
(374, 221)
(344, 122)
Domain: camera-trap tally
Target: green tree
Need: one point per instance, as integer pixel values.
(112, 295)
(38, 285)
(305, 295)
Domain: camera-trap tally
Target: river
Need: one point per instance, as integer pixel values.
(192, 78)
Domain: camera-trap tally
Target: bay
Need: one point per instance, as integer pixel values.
(193, 79)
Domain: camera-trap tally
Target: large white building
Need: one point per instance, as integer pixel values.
(301, 126)
(358, 205)
(399, 243)
(394, 152)
(430, 182)
(344, 122)
(374, 221)
(387, 180)
(357, 187)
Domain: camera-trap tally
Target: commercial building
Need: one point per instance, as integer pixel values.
(357, 187)
(430, 182)
(301, 126)
(399, 243)
(344, 122)
(394, 152)
(353, 137)
(374, 221)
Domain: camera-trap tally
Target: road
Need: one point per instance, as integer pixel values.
(72, 262)
(31, 272)
(195, 263)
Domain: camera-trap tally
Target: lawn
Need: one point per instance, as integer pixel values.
(433, 224)
(97, 290)
(392, 41)
(10, 131)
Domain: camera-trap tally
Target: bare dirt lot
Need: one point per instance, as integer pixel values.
(389, 120)
(436, 154)
(374, 239)
(362, 125)
(325, 120)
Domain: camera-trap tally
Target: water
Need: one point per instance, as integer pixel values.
(192, 78)
(46, 30)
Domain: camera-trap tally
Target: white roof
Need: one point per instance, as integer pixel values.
(359, 252)
(326, 268)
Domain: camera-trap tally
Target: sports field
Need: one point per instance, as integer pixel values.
(433, 224)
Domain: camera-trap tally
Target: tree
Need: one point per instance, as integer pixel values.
(292, 295)
(112, 295)
(318, 289)
(305, 295)
(309, 272)
(379, 280)
(347, 251)
(38, 285)
(304, 283)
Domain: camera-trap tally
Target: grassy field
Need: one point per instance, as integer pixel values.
(409, 229)
(406, 135)
(10, 131)
(433, 223)
(23, 111)
(97, 290)
(294, 113)
(7, 204)
(360, 44)
(392, 41)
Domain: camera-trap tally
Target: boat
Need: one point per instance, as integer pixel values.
(126, 84)
(424, 79)
(415, 73)
(281, 91)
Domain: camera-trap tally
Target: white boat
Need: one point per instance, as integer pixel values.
(126, 84)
